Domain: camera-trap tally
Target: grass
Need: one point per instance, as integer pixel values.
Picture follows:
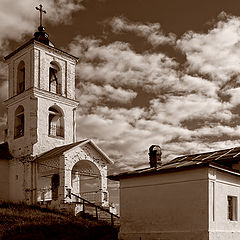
(20, 221)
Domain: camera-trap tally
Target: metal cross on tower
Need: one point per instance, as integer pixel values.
(40, 9)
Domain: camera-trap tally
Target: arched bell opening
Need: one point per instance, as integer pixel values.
(21, 77)
(55, 122)
(86, 181)
(55, 85)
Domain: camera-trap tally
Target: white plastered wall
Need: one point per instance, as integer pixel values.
(16, 181)
(23, 145)
(4, 180)
(221, 185)
(171, 205)
(42, 58)
(46, 142)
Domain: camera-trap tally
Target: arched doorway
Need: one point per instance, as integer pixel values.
(86, 181)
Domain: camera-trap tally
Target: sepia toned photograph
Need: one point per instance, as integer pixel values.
(119, 120)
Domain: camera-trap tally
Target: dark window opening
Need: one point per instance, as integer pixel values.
(54, 79)
(19, 122)
(232, 208)
(21, 78)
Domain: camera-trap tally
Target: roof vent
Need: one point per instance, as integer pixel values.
(155, 153)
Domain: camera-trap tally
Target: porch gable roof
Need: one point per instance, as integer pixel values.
(58, 151)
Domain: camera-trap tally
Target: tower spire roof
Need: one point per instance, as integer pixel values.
(41, 11)
(41, 34)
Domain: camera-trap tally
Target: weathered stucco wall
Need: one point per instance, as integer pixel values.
(23, 145)
(43, 57)
(37, 58)
(221, 185)
(16, 181)
(4, 180)
(45, 170)
(46, 142)
(24, 55)
(171, 206)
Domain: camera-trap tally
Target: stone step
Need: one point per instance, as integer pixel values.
(102, 215)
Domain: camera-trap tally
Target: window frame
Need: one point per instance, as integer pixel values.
(232, 208)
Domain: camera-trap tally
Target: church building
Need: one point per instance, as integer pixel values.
(41, 160)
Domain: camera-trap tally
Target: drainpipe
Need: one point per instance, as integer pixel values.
(74, 125)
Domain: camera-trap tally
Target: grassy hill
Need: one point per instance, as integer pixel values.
(19, 221)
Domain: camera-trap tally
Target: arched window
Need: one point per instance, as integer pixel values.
(19, 122)
(56, 122)
(21, 77)
(54, 78)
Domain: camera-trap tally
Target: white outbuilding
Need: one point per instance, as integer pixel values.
(191, 197)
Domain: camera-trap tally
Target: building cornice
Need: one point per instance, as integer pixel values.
(37, 43)
(35, 92)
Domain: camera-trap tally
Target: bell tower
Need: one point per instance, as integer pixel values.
(41, 96)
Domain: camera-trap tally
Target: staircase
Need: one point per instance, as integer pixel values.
(92, 211)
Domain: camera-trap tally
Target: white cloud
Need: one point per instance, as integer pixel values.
(223, 115)
(235, 95)
(18, 18)
(90, 93)
(118, 65)
(218, 130)
(175, 109)
(152, 32)
(215, 53)
(198, 84)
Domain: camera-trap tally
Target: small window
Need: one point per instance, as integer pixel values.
(19, 122)
(232, 208)
(54, 78)
(21, 77)
(56, 122)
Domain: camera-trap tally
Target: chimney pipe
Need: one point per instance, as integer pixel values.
(155, 153)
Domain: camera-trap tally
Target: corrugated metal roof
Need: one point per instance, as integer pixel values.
(4, 151)
(58, 151)
(222, 158)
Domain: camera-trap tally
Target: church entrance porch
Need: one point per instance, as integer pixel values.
(86, 182)
(78, 168)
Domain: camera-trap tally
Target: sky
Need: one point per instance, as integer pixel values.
(149, 71)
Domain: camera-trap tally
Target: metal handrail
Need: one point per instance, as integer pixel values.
(96, 207)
